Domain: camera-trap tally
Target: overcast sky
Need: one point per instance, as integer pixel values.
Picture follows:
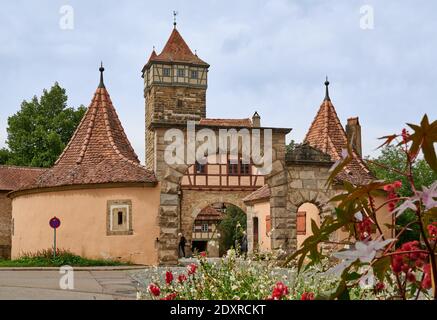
(269, 56)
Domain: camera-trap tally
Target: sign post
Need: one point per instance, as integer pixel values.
(55, 223)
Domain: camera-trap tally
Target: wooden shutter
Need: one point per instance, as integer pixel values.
(301, 223)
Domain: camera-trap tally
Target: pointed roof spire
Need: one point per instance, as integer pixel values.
(175, 13)
(327, 98)
(98, 152)
(327, 134)
(101, 69)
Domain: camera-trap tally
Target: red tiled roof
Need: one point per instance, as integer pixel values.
(13, 177)
(327, 134)
(177, 50)
(226, 122)
(209, 213)
(262, 193)
(99, 152)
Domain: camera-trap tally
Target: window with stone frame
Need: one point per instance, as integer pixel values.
(119, 217)
(181, 72)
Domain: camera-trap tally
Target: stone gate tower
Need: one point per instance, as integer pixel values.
(175, 83)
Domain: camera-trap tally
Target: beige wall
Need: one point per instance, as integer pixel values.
(83, 223)
(312, 213)
(5, 225)
(260, 210)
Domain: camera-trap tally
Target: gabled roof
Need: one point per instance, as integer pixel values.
(98, 152)
(13, 177)
(209, 213)
(328, 135)
(226, 122)
(176, 50)
(262, 194)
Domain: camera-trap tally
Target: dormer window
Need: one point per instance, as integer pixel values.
(194, 74)
(166, 72)
(181, 72)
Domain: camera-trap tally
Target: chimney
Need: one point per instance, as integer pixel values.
(256, 120)
(353, 132)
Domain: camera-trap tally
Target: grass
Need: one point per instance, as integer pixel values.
(44, 258)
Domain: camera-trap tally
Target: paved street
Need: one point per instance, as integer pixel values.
(88, 285)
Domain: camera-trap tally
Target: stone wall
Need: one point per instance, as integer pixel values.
(5, 225)
(307, 184)
(171, 104)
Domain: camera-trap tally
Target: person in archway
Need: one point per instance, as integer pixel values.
(243, 246)
(182, 242)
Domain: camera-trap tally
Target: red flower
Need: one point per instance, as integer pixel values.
(182, 278)
(379, 286)
(307, 296)
(397, 184)
(154, 289)
(168, 277)
(191, 268)
(203, 254)
(432, 231)
(279, 291)
(427, 282)
(171, 296)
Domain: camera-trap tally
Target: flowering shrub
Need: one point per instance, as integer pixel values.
(374, 266)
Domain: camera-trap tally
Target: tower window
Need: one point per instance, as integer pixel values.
(181, 72)
(180, 105)
(194, 74)
(166, 72)
(120, 218)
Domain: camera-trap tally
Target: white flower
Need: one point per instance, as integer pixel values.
(407, 204)
(364, 251)
(428, 195)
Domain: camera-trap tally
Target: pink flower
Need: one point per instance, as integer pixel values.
(168, 277)
(154, 289)
(191, 268)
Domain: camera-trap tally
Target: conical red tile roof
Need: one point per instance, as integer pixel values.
(327, 134)
(99, 151)
(177, 50)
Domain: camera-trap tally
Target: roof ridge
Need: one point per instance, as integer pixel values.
(11, 166)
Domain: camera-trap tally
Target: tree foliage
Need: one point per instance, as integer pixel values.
(231, 227)
(40, 130)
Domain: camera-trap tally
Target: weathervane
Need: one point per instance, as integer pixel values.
(175, 13)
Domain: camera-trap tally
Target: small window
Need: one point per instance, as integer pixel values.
(181, 72)
(205, 227)
(166, 72)
(180, 103)
(119, 217)
(244, 168)
(232, 168)
(194, 74)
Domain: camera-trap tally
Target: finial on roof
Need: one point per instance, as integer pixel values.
(101, 69)
(327, 98)
(175, 13)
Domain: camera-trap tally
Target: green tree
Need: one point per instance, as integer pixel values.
(40, 130)
(231, 228)
(393, 157)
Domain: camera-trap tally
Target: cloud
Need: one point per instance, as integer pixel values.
(270, 56)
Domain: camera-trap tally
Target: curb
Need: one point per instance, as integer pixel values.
(103, 268)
